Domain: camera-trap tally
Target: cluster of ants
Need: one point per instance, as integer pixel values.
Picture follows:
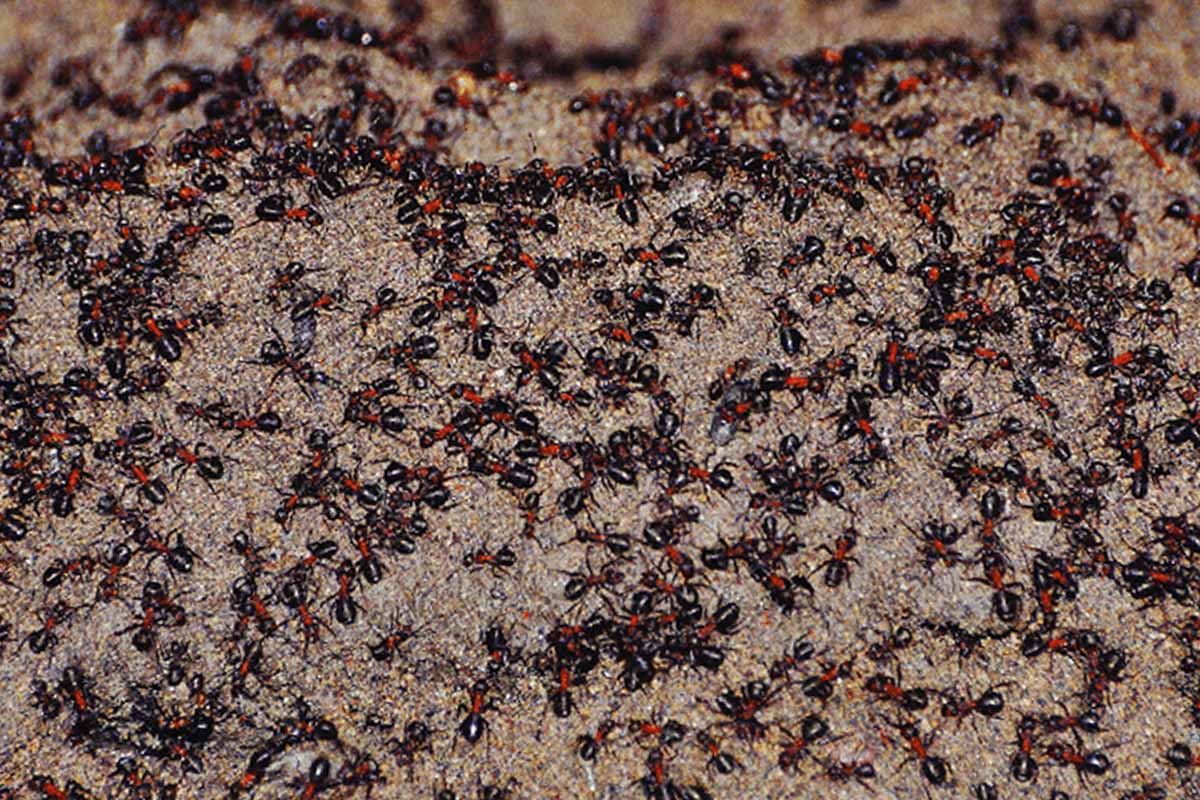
(685, 507)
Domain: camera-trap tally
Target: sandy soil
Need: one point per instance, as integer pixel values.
(209, 681)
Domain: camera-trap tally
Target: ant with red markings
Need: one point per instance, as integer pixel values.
(345, 607)
(157, 610)
(588, 746)
(210, 467)
(1089, 763)
(294, 592)
(498, 561)
(148, 486)
(953, 416)
(741, 708)
(46, 637)
(386, 299)
(579, 584)
(1006, 604)
(837, 566)
(798, 747)
(416, 740)
(474, 725)
(938, 540)
(273, 353)
(933, 768)
(179, 557)
(289, 280)
(884, 688)
(988, 704)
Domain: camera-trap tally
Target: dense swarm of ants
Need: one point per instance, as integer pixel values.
(653, 410)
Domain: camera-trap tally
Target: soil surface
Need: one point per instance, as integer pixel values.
(513, 400)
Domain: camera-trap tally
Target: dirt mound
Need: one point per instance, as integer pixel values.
(523, 401)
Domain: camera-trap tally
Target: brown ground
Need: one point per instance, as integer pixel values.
(527, 750)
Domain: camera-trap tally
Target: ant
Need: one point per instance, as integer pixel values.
(273, 353)
(801, 651)
(938, 539)
(1090, 763)
(345, 607)
(796, 748)
(210, 467)
(46, 637)
(588, 746)
(718, 760)
(844, 771)
(741, 708)
(988, 704)
(912, 699)
(387, 646)
(474, 724)
(385, 300)
(933, 768)
(837, 566)
(290, 279)
(416, 740)
(580, 583)
(957, 412)
(498, 561)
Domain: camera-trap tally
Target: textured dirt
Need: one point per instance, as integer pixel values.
(107, 736)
